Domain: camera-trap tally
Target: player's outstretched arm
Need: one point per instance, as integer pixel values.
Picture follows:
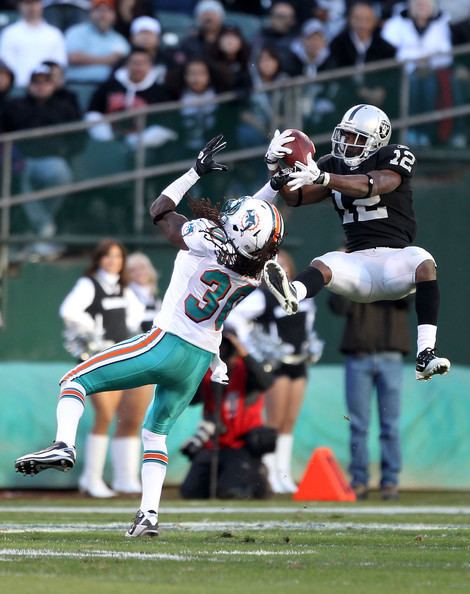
(162, 210)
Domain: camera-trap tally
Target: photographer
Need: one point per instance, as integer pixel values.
(242, 438)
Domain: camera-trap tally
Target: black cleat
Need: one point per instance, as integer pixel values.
(278, 283)
(429, 364)
(145, 524)
(59, 456)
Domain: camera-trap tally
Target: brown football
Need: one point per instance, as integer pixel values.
(301, 146)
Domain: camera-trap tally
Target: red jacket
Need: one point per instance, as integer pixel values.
(239, 414)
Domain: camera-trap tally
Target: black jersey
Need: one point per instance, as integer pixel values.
(385, 220)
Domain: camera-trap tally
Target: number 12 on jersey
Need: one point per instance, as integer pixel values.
(366, 209)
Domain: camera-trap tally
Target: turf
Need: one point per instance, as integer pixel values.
(69, 545)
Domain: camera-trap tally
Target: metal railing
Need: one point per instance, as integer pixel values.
(291, 90)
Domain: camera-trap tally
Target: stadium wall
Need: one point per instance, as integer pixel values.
(435, 426)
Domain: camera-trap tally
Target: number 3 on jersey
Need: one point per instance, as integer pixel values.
(219, 285)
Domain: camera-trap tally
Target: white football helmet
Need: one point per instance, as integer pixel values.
(372, 130)
(250, 224)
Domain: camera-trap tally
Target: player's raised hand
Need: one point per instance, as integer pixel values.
(205, 160)
(307, 174)
(277, 149)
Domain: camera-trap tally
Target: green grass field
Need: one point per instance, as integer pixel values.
(71, 545)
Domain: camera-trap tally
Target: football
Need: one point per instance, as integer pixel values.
(301, 146)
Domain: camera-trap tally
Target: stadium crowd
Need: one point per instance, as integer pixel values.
(229, 46)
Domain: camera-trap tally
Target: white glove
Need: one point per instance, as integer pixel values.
(306, 175)
(277, 150)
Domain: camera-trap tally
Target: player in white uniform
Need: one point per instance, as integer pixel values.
(220, 261)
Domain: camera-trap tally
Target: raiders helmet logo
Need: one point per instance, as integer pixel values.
(384, 129)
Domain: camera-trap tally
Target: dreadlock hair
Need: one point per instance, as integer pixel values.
(203, 208)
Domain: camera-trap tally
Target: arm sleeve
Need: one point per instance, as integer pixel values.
(72, 310)
(266, 193)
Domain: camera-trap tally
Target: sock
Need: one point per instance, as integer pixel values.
(284, 445)
(427, 302)
(312, 280)
(125, 460)
(154, 465)
(69, 412)
(96, 448)
(426, 337)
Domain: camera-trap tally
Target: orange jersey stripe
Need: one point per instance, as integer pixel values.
(104, 356)
(156, 457)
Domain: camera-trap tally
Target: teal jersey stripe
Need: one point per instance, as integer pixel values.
(156, 461)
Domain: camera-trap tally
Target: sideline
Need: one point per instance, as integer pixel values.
(379, 510)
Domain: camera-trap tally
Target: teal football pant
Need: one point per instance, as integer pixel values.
(175, 366)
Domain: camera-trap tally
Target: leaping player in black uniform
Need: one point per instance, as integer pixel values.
(369, 182)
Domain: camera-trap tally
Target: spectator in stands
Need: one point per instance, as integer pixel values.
(146, 32)
(375, 338)
(422, 33)
(296, 347)
(230, 58)
(278, 34)
(94, 47)
(263, 108)
(196, 83)
(129, 10)
(30, 41)
(7, 79)
(243, 438)
(58, 77)
(46, 162)
(331, 14)
(143, 281)
(360, 43)
(311, 49)
(66, 13)
(209, 16)
(130, 87)
(99, 311)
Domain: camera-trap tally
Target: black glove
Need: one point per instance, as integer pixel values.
(280, 178)
(205, 160)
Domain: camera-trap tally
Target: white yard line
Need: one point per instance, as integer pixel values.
(6, 554)
(380, 510)
(207, 526)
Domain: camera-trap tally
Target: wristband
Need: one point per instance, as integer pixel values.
(323, 179)
(177, 189)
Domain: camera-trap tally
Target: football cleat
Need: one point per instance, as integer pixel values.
(59, 456)
(276, 279)
(429, 364)
(145, 524)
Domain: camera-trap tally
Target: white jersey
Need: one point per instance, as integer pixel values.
(201, 293)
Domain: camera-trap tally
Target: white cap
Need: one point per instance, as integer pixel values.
(145, 23)
(209, 6)
(312, 26)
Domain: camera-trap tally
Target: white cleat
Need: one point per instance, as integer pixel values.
(58, 456)
(145, 524)
(276, 279)
(429, 364)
